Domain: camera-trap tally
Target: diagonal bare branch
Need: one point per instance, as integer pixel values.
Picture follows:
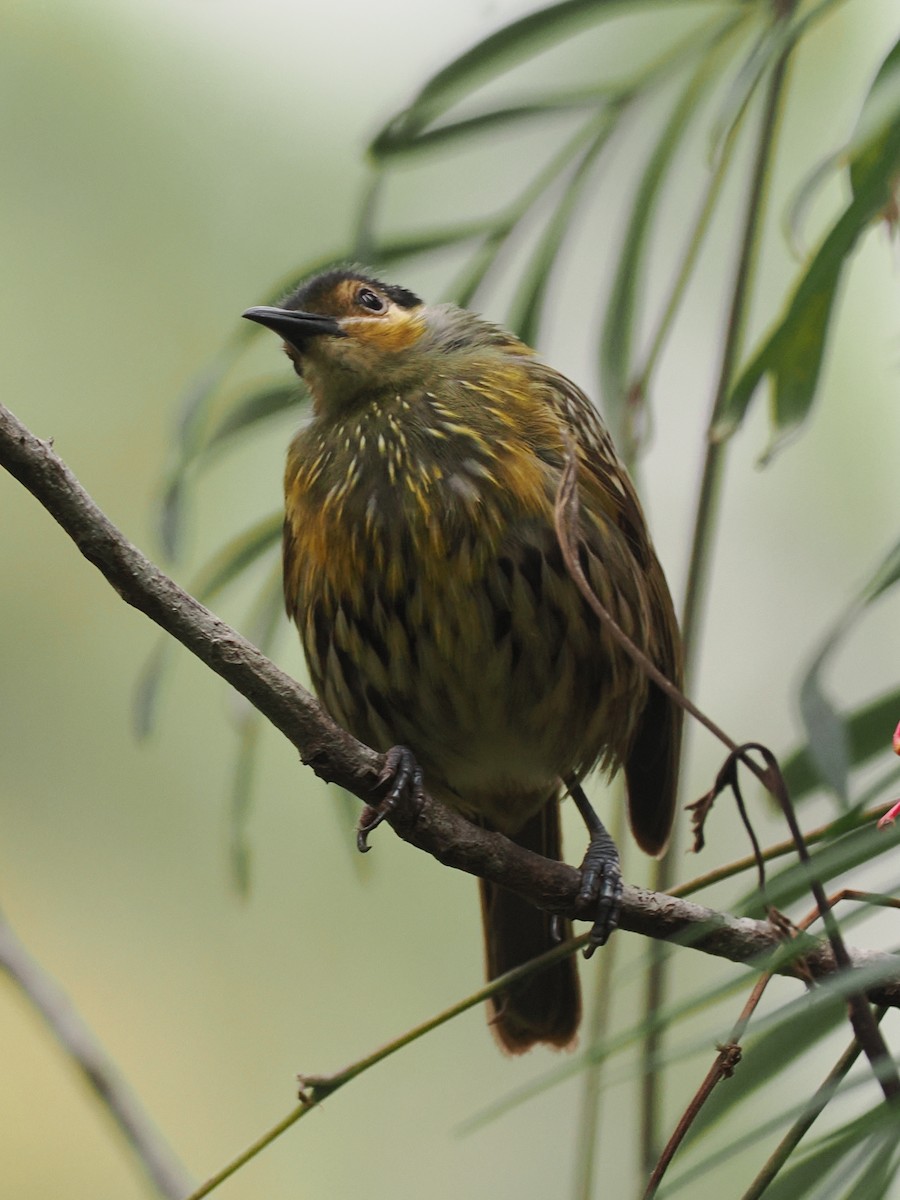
(337, 757)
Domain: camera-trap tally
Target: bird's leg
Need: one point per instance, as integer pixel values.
(402, 776)
(601, 878)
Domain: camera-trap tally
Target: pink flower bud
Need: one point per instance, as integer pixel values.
(891, 814)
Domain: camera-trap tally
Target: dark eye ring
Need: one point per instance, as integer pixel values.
(369, 299)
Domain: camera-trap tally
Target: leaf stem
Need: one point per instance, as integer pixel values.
(316, 1088)
(704, 520)
(704, 524)
(689, 258)
(592, 133)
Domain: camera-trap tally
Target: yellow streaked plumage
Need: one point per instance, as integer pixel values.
(422, 568)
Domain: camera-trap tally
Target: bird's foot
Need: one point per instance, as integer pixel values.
(601, 888)
(402, 776)
(601, 876)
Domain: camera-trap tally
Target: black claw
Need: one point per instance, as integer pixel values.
(403, 778)
(404, 774)
(370, 819)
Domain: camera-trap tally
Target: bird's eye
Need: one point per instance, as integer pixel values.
(370, 300)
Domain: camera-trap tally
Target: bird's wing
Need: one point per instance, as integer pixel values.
(652, 764)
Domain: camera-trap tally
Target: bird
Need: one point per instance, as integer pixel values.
(440, 623)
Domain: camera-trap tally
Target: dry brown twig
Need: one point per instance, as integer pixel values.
(729, 1054)
(865, 1027)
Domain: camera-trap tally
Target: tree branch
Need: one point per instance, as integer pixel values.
(338, 758)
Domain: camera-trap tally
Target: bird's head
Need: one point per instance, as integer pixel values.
(348, 334)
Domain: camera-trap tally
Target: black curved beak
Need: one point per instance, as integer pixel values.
(296, 328)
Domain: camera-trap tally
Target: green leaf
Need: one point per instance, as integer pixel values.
(170, 515)
(880, 109)
(765, 1056)
(858, 1138)
(596, 127)
(764, 52)
(192, 412)
(500, 52)
(878, 1174)
(745, 1138)
(876, 1182)
(235, 557)
(868, 731)
(784, 30)
(465, 287)
(388, 147)
(145, 703)
(791, 354)
(830, 859)
(192, 409)
(527, 305)
(265, 623)
(392, 250)
(618, 328)
(386, 251)
(880, 113)
(665, 1019)
(252, 408)
(828, 743)
(887, 574)
(804, 197)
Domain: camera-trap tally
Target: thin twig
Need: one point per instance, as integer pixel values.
(97, 1069)
(777, 850)
(864, 1024)
(252, 1151)
(314, 1089)
(700, 810)
(727, 1059)
(729, 1054)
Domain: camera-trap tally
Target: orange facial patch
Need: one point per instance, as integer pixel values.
(396, 330)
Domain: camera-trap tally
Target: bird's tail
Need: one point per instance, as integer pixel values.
(651, 770)
(545, 1007)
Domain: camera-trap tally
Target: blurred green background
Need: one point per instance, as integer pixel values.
(163, 166)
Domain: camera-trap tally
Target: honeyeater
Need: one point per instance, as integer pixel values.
(436, 611)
